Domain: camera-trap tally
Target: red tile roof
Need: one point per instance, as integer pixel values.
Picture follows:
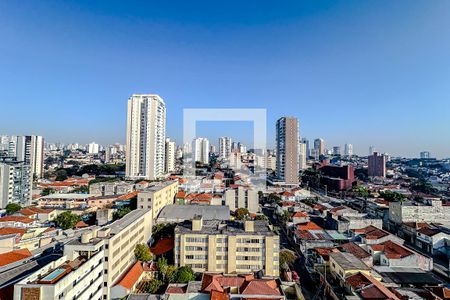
(13, 256)
(19, 219)
(300, 214)
(162, 246)
(356, 250)
(30, 211)
(81, 224)
(358, 281)
(132, 276)
(374, 289)
(128, 196)
(261, 287)
(309, 226)
(12, 230)
(181, 194)
(428, 231)
(176, 290)
(373, 233)
(392, 250)
(217, 295)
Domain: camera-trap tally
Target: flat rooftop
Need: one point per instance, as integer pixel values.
(129, 218)
(159, 186)
(188, 212)
(260, 227)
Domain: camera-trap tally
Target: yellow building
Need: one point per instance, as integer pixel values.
(227, 246)
(158, 196)
(343, 264)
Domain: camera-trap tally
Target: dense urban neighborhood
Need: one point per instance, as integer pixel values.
(301, 221)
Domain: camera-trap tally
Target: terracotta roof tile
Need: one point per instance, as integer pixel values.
(128, 196)
(13, 256)
(12, 230)
(356, 250)
(132, 276)
(162, 246)
(309, 226)
(24, 220)
(392, 250)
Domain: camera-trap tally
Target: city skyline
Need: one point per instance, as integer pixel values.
(328, 68)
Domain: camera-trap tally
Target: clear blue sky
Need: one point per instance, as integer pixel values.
(364, 72)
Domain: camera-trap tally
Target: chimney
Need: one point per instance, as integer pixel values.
(197, 223)
(249, 226)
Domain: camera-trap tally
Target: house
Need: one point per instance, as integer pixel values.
(392, 254)
(432, 239)
(37, 213)
(359, 252)
(128, 282)
(372, 235)
(14, 256)
(364, 286)
(343, 265)
(17, 221)
(300, 217)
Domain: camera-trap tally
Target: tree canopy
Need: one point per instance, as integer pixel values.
(392, 196)
(12, 208)
(184, 274)
(142, 252)
(241, 213)
(67, 220)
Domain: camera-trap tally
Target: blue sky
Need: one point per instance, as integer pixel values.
(364, 72)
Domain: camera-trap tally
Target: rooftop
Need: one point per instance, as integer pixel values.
(13, 256)
(226, 227)
(187, 212)
(129, 218)
(348, 261)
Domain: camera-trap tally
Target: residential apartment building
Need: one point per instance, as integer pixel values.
(227, 246)
(348, 150)
(302, 156)
(319, 147)
(242, 197)
(28, 149)
(287, 138)
(377, 165)
(225, 147)
(93, 148)
(170, 156)
(92, 264)
(403, 212)
(146, 136)
(158, 196)
(201, 149)
(15, 182)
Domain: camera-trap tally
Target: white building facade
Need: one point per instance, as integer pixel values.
(146, 135)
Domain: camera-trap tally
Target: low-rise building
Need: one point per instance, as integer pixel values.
(227, 246)
(343, 265)
(180, 213)
(403, 212)
(158, 196)
(242, 197)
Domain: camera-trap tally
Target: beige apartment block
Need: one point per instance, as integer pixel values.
(158, 196)
(227, 246)
(92, 264)
(242, 197)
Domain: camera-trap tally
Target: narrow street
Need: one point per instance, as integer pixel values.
(308, 287)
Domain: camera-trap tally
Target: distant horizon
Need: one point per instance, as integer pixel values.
(361, 72)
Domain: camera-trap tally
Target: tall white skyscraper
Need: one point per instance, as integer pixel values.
(170, 155)
(146, 136)
(15, 182)
(225, 147)
(348, 150)
(287, 135)
(93, 148)
(372, 150)
(200, 147)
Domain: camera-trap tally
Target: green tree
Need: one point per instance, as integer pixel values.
(287, 258)
(142, 252)
(47, 191)
(241, 213)
(162, 266)
(121, 212)
(184, 274)
(61, 175)
(392, 196)
(67, 220)
(82, 189)
(152, 286)
(261, 217)
(12, 208)
(361, 191)
(171, 274)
